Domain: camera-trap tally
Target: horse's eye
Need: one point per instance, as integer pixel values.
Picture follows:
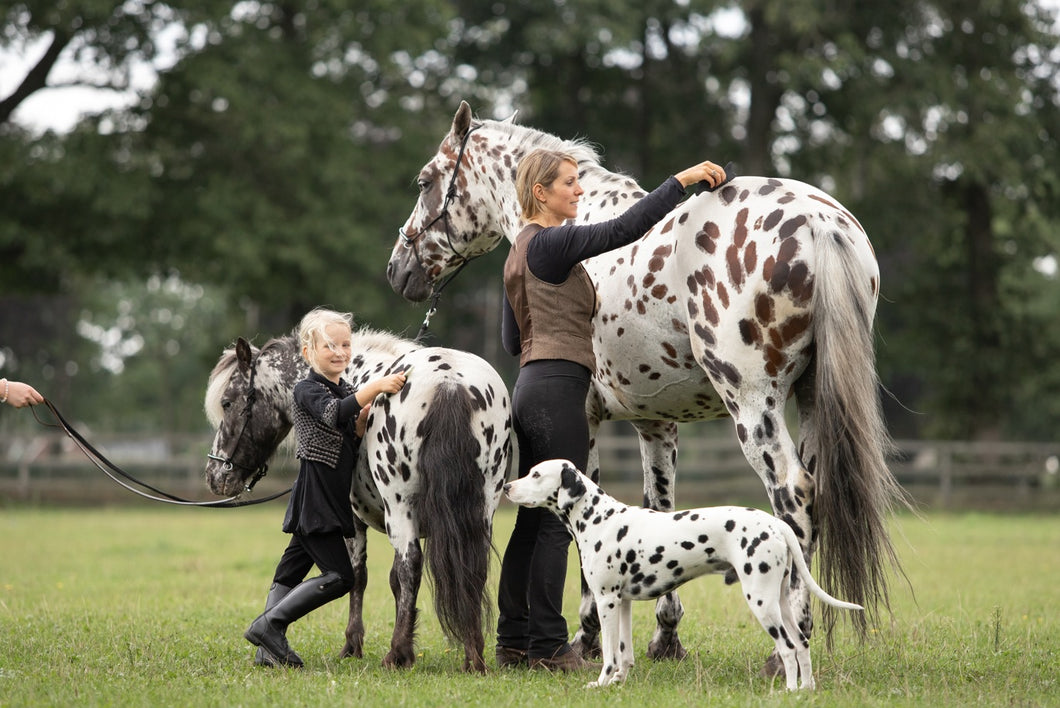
(226, 405)
(424, 185)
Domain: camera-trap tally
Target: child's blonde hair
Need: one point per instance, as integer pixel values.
(312, 330)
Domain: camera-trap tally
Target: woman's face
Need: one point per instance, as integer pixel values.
(560, 199)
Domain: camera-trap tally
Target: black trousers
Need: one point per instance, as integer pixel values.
(326, 550)
(548, 404)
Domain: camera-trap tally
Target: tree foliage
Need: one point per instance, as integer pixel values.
(274, 158)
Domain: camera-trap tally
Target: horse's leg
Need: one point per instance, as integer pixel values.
(658, 453)
(358, 549)
(769, 448)
(586, 640)
(405, 576)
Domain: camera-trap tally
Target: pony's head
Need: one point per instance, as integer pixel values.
(249, 406)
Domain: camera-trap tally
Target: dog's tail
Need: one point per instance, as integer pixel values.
(804, 571)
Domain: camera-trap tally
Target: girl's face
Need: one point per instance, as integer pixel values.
(560, 199)
(330, 359)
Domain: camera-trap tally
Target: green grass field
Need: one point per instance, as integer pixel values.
(146, 606)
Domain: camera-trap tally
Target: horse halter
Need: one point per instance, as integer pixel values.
(227, 463)
(443, 215)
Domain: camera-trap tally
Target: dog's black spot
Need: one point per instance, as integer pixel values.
(747, 569)
(631, 555)
(730, 525)
(622, 533)
(703, 538)
(763, 567)
(597, 546)
(687, 545)
(680, 515)
(655, 558)
(673, 564)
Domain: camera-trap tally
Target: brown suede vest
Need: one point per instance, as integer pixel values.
(555, 321)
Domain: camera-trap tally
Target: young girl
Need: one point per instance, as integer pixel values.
(329, 419)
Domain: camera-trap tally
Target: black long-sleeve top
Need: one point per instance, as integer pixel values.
(555, 250)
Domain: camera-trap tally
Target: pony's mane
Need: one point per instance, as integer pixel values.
(365, 339)
(218, 382)
(368, 339)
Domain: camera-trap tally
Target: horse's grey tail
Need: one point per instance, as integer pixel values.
(847, 442)
(451, 507)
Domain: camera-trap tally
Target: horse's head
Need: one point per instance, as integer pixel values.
(466, 206)
(251, 419)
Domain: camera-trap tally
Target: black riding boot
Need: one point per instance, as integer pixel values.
(277, 592)
(269, 629)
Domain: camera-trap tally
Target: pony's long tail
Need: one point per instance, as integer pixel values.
(451, 507)
(847, 437)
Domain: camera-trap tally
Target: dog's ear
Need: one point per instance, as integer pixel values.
(572, 486)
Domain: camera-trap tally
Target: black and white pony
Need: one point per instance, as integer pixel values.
(739, 299)
(432, 463)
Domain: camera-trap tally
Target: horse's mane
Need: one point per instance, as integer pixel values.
(218, 382)
(585, 152)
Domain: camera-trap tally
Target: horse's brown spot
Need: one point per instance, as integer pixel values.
(764, 308)
(659, 292)
(750, 258)
(750, 332)
(707, 237)
(789, 227)
(658, 258)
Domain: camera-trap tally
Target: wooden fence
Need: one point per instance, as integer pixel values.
(48, 468)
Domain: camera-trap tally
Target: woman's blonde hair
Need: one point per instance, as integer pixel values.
(312, 330)
(539, 167)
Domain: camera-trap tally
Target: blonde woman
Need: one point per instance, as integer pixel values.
(549, 304)
(329, 417)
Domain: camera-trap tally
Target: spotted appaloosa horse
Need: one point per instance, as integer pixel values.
(431, 465)
(737, 300)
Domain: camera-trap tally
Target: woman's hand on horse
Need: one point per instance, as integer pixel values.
(707, 171)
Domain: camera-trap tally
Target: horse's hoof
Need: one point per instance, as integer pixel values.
(478, 666)
(773, 668)
(351, 651)
(670, 649)
(395, 660)
(586, 648)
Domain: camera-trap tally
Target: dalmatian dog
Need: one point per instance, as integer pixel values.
(630, 553)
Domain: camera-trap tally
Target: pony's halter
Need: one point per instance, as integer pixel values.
(227, 463)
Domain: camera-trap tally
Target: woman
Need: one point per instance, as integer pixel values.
(548, 321)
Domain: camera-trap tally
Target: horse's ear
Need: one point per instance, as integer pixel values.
(461, 122)
(511, 118)
(243, 354)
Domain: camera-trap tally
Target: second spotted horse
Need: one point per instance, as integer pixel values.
(738, 300)
(432, 463)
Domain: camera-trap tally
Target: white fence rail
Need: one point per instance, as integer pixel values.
(48, 467)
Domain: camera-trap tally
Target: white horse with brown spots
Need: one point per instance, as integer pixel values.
(737, 300)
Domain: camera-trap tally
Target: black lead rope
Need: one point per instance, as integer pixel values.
(118, 475)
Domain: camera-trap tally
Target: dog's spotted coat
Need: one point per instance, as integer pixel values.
(629, 553)
(735, 302)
